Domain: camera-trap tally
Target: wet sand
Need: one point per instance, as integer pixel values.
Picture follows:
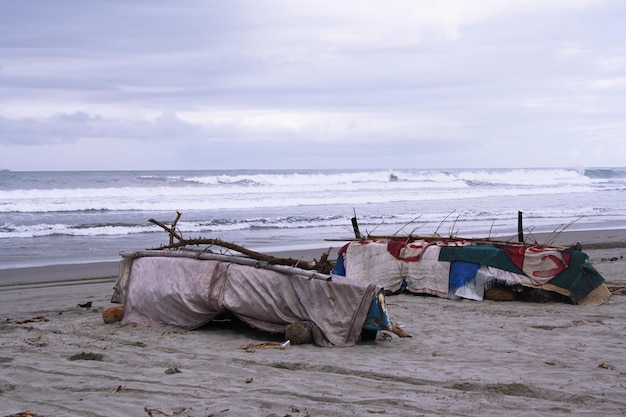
(465, 358)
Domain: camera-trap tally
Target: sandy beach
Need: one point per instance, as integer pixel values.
(466, 358)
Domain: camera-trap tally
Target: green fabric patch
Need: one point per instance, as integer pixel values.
(580, 277)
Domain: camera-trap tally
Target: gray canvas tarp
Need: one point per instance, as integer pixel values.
(188, 293)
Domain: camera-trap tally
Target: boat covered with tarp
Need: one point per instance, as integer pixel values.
(190, 288)
(457, 268)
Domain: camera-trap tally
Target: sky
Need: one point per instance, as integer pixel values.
(284, 84)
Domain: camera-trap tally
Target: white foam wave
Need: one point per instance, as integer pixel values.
(58, 229)
(9, 231)
(330, 178)
(193, 199)
(527, 177)
(296, 189)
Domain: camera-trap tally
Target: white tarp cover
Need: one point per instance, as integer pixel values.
(370, 261)
(188, 293)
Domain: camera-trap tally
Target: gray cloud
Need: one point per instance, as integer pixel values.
(449, 84)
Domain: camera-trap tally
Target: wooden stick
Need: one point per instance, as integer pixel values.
(355, 227)
(451, 238)
(322, 265)
(408, 223)
(170, 230)
(232, 246)
(151, 411)
(285, 269)
(442, 221)
(178, 214)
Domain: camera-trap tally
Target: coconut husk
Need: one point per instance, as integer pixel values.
(298, 334)
(113, 314)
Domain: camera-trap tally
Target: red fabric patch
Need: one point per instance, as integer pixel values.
(516, 254)
(395, 248)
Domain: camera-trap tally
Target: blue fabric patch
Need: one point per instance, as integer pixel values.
(461, 273)
(377, 317)
(339, 268)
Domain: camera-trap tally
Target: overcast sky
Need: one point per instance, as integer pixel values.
(149, 84)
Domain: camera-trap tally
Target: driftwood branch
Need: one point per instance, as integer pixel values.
(558, 231)
(178, 214)
(406, 224)
(323, 265)
(442, 222)
(240, 260)
(170, 230)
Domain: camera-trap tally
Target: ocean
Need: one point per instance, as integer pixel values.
(73, 217)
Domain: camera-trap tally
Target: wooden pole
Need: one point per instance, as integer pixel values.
(240, 260)
(355, 227)
(520, 228)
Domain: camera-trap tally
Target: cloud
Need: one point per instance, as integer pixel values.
(609, 83)
(409, 82)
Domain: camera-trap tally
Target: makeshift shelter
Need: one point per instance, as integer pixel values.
(465, 268)
(190, 288)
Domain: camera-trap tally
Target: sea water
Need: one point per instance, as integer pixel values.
(72, 217)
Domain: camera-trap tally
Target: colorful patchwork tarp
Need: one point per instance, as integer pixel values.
(465, 269)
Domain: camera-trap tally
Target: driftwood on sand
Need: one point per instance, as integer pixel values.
(241, 260)
(177, 241)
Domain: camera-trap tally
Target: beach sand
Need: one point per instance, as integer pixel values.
(465, 358)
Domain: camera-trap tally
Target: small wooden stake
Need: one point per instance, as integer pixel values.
(355, 227)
